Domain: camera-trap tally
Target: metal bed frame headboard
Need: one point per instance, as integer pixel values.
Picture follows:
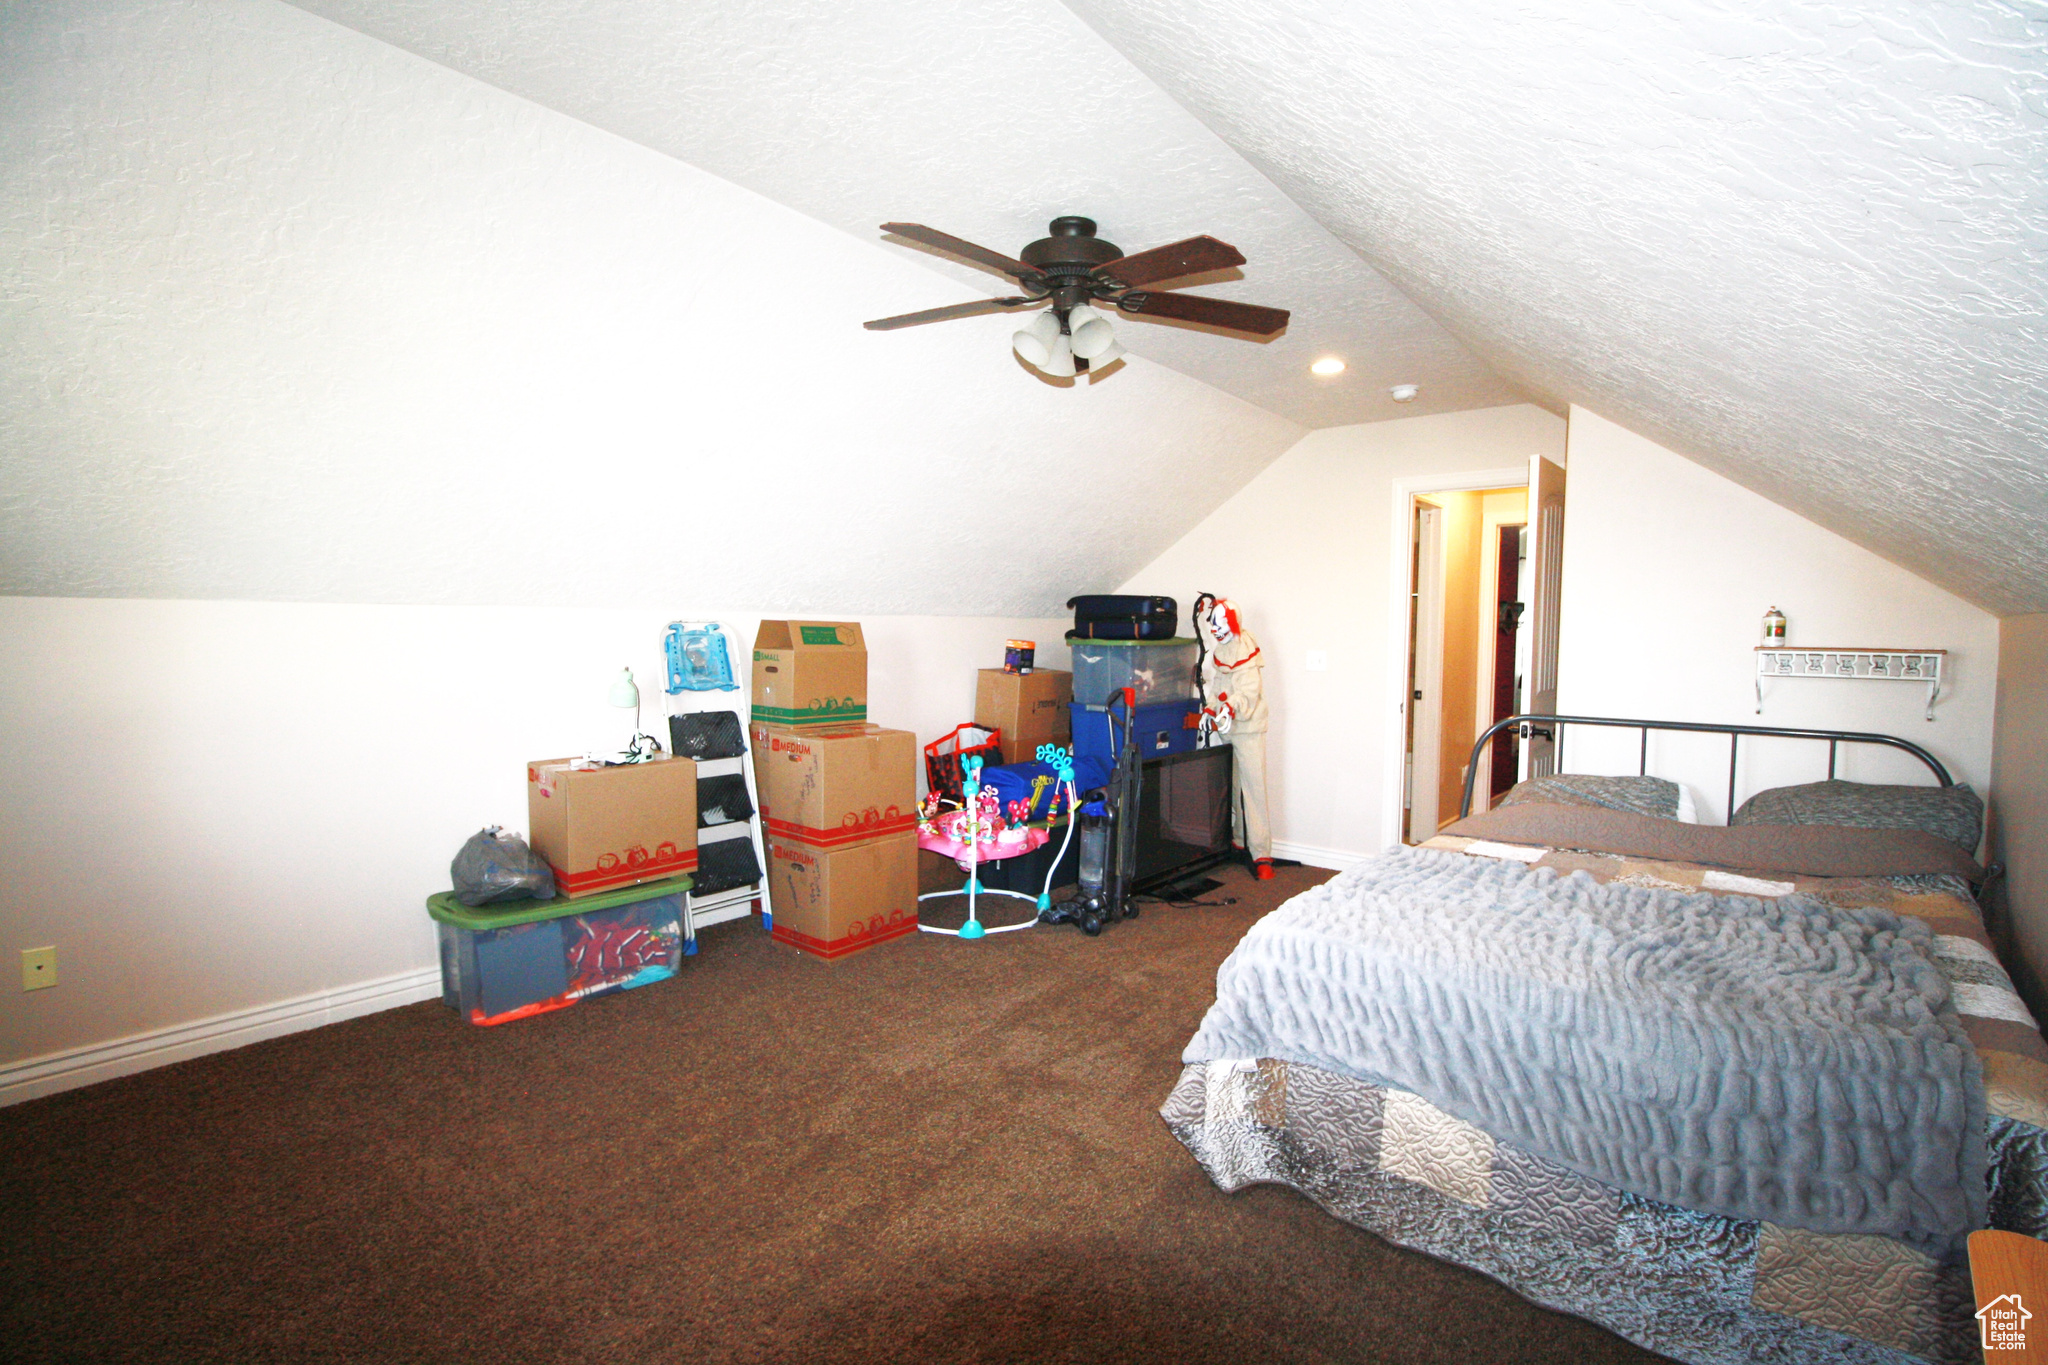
(1552, 728)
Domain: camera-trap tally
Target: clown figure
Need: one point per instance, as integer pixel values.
(1235, 710)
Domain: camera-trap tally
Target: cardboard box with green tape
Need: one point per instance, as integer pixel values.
(810, 673)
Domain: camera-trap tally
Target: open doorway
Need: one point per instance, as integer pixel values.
(1466, 663)
(1449, 646)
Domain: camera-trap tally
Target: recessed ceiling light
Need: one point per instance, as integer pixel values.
(1403, 393)
(1328, 365)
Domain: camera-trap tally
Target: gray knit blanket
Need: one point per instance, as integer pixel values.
(1775, 1059)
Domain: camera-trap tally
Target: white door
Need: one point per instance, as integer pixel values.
(1546, 567)
(1427, 651)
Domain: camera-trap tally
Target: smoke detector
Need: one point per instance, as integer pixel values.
(1403, 393)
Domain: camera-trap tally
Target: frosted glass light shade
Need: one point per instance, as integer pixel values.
(1091, 332)
(1034, 340)
(1060, 363)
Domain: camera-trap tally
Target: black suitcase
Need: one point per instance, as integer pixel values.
(1118, 607)
(1123, 616)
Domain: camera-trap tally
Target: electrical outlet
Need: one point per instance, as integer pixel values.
(38, 968)
(1318, 661)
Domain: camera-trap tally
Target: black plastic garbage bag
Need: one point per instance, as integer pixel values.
(496, 866)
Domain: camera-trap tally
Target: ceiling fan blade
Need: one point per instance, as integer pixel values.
(965, 250)
(949, 312)
(1195, 256)
(1238, 317)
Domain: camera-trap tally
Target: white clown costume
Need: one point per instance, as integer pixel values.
(1234, 710)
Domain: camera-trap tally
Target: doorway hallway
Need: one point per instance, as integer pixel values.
(1467, 654)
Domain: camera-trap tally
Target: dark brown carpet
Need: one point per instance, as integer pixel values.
(936, 1151)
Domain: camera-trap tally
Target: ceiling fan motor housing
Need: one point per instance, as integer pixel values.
(1072, 249)
(1068, 259)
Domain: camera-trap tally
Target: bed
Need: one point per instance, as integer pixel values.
(1372, 1047)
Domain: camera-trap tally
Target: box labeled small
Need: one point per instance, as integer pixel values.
(810, 673)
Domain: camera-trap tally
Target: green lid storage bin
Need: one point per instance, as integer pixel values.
(520, 958)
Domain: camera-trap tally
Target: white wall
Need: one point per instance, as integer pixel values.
(1306, 550)
(217, 806)
(293, 315)
(1668, 570)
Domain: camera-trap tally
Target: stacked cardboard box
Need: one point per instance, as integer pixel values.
(1029, 708)
(604, 828)
(810, 673)
(838, 801)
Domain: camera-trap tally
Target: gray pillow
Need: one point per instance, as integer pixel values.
(1637, 795)
(1952, 813)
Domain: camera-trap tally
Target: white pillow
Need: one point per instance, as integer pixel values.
(1687, 811)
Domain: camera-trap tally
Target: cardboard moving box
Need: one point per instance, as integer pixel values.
(603, 828)
(1029, 708)
(834, 902)
(810, 673)
(830, 786)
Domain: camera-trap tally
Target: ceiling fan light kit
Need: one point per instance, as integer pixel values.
(1074, 270)
(1061, 364)
(1091, 333)
(1034, 340)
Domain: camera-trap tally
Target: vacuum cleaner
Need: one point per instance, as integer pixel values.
(1108, 822)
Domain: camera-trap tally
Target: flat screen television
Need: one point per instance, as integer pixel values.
(1183, 816)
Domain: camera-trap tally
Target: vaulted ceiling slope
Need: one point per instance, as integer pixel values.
(1805, 244)
(982, 118)
(292, 314)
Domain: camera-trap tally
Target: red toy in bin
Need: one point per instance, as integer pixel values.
(944, 756)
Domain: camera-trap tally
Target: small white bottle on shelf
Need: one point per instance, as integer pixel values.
(1774, 627)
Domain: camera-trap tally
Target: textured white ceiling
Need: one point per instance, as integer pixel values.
(1804, 243)
(982, 118)
(282, 301)
(292, 314)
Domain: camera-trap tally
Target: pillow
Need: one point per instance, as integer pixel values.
(1637, 795)
(1952, 813)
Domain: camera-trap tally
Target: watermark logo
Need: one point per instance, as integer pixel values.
(2003, 1323)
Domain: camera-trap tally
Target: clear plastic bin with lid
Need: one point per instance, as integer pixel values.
(1158, 670)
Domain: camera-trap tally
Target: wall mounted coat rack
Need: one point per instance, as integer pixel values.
(1890, 665)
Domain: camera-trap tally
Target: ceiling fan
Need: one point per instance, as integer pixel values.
(1072, 269)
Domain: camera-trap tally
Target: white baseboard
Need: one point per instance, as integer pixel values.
(67, 1070)
(1339, 860)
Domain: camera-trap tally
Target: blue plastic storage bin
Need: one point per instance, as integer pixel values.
(1168, 728)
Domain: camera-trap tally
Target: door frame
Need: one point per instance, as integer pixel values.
(1401, 553)
(1424, 733)
(1546, 601)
